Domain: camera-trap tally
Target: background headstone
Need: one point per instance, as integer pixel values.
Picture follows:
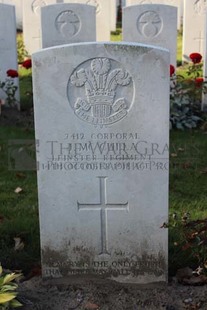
(32, 23)
(193, 27)
(113, 14)
(18, 10)
(103, 17)
(68, 23)
(152, 24)
(102, 122)
(176, 3)
(8, 47)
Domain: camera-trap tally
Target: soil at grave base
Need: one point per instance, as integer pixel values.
(13, 117)
(84, 294)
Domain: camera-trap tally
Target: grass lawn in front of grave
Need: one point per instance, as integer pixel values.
(187, 200)
(19, 211)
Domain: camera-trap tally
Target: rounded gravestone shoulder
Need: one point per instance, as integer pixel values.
(96, 4)
(149, 24)
(67, 24)
(36, 6)
(200, 6)
(146, 2)
(100, 91)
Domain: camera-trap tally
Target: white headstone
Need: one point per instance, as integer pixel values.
(103, 17)
(152, 24)
(18, 10)
(176, 3)
(193, 27)
(68, 23)
(102, 115)
(113, 14)
(8, 47)
(32, 23)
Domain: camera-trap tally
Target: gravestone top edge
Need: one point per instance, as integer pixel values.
(59, 5)
(7, 5)
(130, 7)
(102, 44)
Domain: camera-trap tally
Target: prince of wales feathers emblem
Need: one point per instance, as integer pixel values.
(100, 83)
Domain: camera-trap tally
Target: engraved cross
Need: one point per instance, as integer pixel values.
(38, 38)
(200, 39)
(103, 206)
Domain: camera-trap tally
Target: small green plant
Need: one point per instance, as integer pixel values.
(186, 95)
(8, 290)
(188, 240)
(21, 51)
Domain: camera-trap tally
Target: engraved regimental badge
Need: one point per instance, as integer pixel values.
(100, 91)
(67, 24)
(149, 24)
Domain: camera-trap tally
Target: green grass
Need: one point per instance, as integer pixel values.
(25, 85)
(116, 36)
(19, 212)
(188, 194)
(188, 190)
(179, 47)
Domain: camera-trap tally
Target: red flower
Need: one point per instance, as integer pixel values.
(172, 70)
(27, 64)
(12, 73)
(199, 81)
(195, 57)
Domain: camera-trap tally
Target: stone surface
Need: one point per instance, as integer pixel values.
(32, 23)
(113, 14)
(18, 9)
(193, 27)
(176, 3)
(103, 18)
(152, 24)
(102, 116)
(68, 23)
(8, 49)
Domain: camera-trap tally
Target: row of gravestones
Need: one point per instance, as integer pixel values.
(193, 18)
(102, 125)
(59, 24)
(70, 23)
